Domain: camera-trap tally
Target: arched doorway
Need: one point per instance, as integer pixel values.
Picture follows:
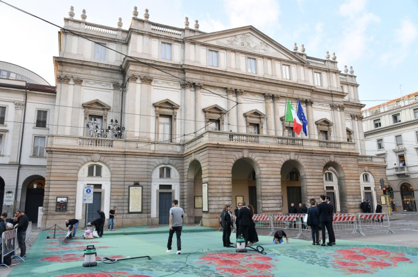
(408, 198)
(165, 188)
(367, 189)
(331, 188)
(245, 184)
(292, 185)
(34, 198)
(338, 184)
(2, 186)
(194, 185)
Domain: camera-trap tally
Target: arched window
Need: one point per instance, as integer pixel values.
(329, 177)
(95, 170)
(165, 172)
(366, 177)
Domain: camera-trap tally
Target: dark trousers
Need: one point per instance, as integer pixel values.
(178, 237)
(237, 230)
(329, 229)
(226, 235)
(22, 244)
(331, 238)
(244, 230)
(315, 233)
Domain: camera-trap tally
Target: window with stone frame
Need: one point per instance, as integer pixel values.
(254, 121)
(324, 127)
(38, 149)
(349, 134)
(95, 118)
(286, 72)
(329, 177)
(215, 117)
(366, 177)
(252, 65)
(165, 120)
(396, 118)
(99, 52)
(166, 51)
(41, 118)
(398, 140)
(377, 123)
(380, 143)
(2, 114)
(213, 58)
(94, 170)
(416, 113)
(318, 79)
(165, 172)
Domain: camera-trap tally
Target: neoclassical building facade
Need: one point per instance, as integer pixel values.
(203, 118)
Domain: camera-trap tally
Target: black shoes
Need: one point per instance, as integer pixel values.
(318, 243)
(323, 244)
(329, 244)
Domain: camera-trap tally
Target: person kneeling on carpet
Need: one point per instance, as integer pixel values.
(278, 237)
(99, 226)
(72, 227)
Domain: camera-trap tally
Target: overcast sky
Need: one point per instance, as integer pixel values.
(379, 38)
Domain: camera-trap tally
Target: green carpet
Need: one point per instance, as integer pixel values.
(204, 255)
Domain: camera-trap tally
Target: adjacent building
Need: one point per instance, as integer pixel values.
(391, 131)
(153, 113)
(27, 104)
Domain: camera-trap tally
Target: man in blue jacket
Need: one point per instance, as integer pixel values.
(324, 212)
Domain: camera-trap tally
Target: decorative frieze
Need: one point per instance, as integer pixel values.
(19, 105)
(165, 83)
(97, 84)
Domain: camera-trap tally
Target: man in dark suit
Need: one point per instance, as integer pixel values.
(324, 218)
(226, 221)
(292, 209)
(237, 219)
(245, 220)
(331, 238)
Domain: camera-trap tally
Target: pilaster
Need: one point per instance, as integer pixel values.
(311, 121)
(199, 116)
(145, 107)
(277, 123)
(269, 113)
(240, 116)
(233, 123)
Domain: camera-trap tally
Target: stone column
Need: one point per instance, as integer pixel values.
(356, 131)
(76, 100)
(310, 119)
(132, 107)
(17, 130)
(361, 135)
(199, 115)
(240, 118)
(145, 108)
(188, 122)
(343, 123)
(68, 107)
(233, 124)
(336, 128)
(60, 111)
(269, 113)
(277, 123)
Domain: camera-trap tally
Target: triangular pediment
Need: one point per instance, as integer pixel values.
(96, 104)
(166, 103)
(255, 114)
(215, 109)
(247, 39)
(324, 121)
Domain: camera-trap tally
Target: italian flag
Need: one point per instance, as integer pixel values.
(292, 117)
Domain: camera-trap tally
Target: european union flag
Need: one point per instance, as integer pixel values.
(302, 118)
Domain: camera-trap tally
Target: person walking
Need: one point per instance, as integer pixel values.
(379, 210)
(313, 221)
(111, 218)
(176, 216)
(245, 220)
(22, 225)
(227, 225)
(253, 235)
(331, 238)
(324, 219)
(237, 219)
(72, 226)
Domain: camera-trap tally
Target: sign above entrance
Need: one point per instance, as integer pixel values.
(88, 194)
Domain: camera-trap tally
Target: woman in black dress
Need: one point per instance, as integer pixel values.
(253, 236)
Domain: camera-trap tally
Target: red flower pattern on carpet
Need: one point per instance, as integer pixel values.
(63, 258)
(365, 260)
(102, 274)
(243, 265)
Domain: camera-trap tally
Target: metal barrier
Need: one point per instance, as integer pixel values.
(8, 244)
(283, 221)
(373, 221)
(263, 221)
(345, 222)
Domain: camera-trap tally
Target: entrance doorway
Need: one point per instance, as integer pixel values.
(408, 198)
(368, 196)
(252, 192)
(294, 196)
(331, 195)
(165, 203)
(91, 208)
(34, 199)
